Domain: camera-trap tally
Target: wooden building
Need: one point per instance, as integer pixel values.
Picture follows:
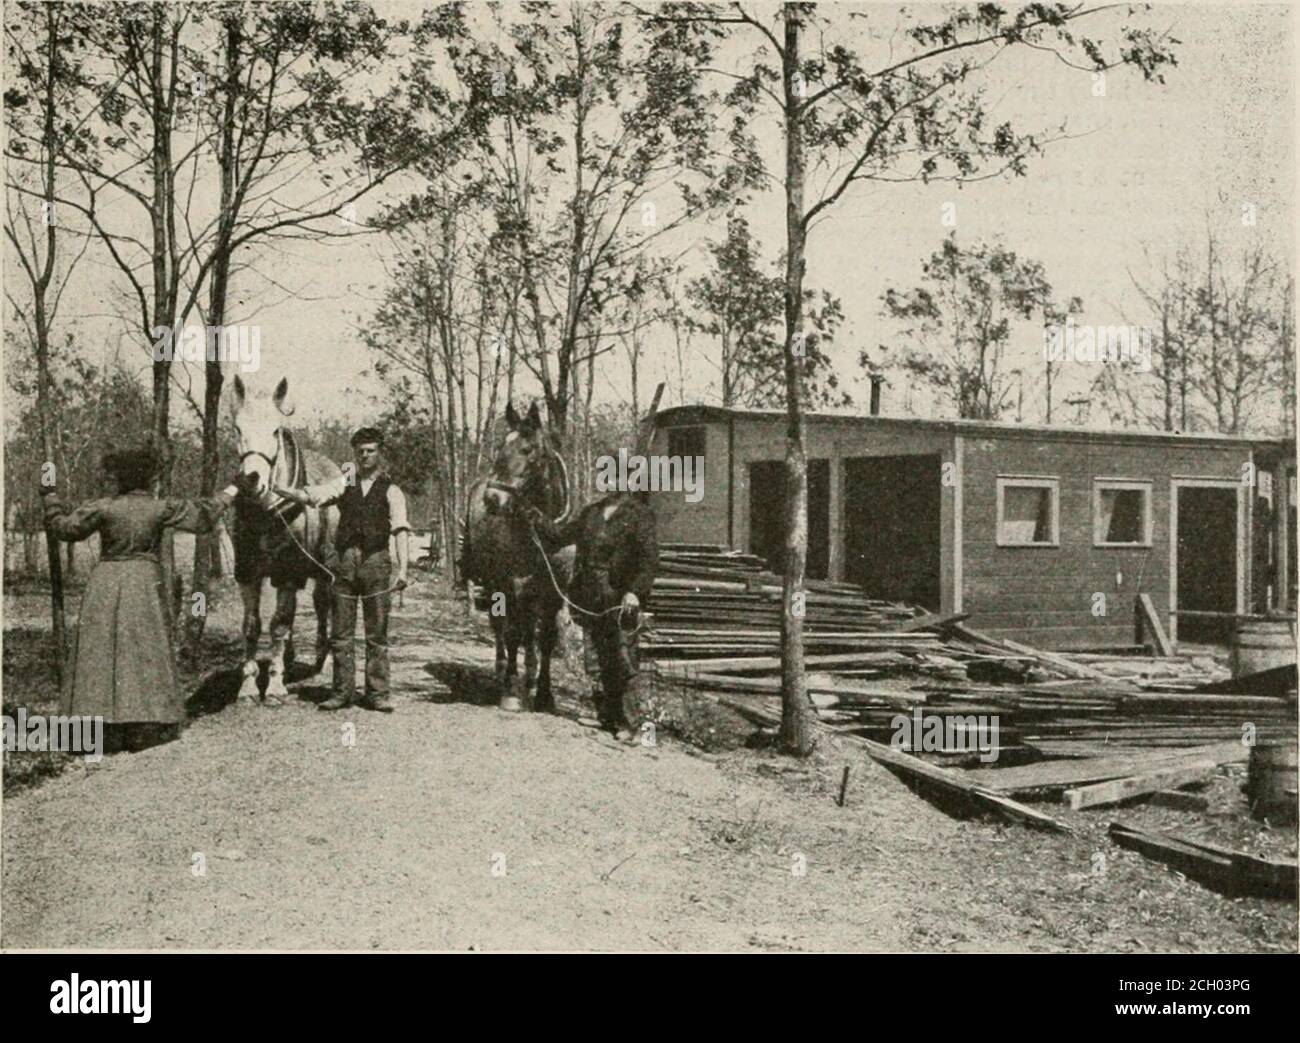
(1043, 534)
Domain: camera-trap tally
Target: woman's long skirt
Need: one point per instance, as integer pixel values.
(122, 664)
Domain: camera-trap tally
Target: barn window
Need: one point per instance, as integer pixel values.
(1028, 511)
(686, 441)
(1121, 513)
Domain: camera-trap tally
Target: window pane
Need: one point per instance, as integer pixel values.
(1026, 514)
(686, 441)
(1122, 516)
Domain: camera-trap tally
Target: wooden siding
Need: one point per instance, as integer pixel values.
(1041, 595)
(1045, 595)
(705, 521)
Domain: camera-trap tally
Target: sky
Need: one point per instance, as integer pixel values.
(1147, 169)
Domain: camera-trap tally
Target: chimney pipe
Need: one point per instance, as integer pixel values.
(876, 381)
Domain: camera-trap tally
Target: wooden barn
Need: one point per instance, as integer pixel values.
(1043, 534)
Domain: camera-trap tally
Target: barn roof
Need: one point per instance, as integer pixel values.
(698, 414)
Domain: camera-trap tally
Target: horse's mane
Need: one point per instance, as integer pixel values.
(295, 469)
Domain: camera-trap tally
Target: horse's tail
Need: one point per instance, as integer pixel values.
(462, 550)
(465, 564)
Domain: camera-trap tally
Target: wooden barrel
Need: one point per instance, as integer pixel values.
(1271, 786)
(1262, 644)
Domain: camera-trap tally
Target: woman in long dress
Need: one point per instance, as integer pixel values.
(122, 666)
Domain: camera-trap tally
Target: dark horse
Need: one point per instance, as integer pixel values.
(521, 584)
(277, 539)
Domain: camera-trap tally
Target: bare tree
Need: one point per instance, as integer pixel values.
(604, 147)
(45, 38)
(1221, 330)
(913, 111)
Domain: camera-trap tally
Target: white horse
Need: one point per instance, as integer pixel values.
(276, 539)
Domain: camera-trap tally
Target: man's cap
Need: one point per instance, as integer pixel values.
(368, 435)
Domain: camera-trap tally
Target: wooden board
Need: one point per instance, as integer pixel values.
(1060, 662)
(1057, 775)
(1136, 785)
(715, 665)
(1218, 867)
(1151, 624)
(951, 781)
(958, 782)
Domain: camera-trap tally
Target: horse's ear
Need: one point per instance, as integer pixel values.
(512, 418)
(534, 417)
(281, 393)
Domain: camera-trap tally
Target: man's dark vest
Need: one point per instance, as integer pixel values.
(364, 520)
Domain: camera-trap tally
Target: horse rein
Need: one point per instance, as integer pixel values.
(516, 492)
(275, 510)
(555, 584)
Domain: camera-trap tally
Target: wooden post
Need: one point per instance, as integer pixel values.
(1151, 625)
(1281, 538)
(646, 428)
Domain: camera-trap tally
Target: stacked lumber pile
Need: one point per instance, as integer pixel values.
(709, 602)
(1124, 721)
(1088, 731)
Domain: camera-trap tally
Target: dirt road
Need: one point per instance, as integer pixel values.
(452, 825)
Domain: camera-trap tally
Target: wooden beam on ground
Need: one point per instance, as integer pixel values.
(1151, 624)
(1217, 867)
(957, 783)
(1051, 776)
(713, 665)
(951, 781)
(882, 698)
(1118, 790)
(1066, 666)
(933, 622)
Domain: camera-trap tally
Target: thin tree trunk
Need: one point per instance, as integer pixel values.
(44, 380)
(1165, 374)
(206, 547)
(163, 263)
(797, 731)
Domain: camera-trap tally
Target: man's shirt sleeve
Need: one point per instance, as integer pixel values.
(397, 510)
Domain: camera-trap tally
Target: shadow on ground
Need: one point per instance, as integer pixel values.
(462, 683)
(220, 688)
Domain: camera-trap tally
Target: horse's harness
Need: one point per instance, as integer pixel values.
(516, 491)
(288, 510)
(285, 448)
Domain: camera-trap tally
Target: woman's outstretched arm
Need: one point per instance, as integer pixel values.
(71, 524)
(201, 514)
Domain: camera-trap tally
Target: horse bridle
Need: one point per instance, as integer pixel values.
(516, 490)
(272, 497)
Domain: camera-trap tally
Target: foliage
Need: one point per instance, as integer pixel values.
(960, 318)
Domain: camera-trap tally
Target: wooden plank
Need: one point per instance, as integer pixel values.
(1151, 624)
(1221, 868)
(957, 782)
(887, 699)
(725, 665)
(1068, 666)
(951, 781)
(1053, 775)
(933, 622)
(1135, 785)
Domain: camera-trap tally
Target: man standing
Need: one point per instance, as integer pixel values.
(371, 508)
(617, 555)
